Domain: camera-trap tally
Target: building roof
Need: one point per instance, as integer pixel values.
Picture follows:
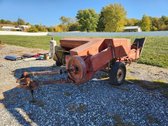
(131, 27)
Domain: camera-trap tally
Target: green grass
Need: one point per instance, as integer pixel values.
(155, 51)
(41, 42)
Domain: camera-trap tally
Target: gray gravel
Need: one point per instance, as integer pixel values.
(93, 103)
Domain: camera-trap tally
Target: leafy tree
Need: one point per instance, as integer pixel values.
(60, 28)
(65, 23)
(41, 28)
(74, 26)
(87, 19)
(163, 23)
(20, 21)
(65, 20)
(165, 20)
(155, 24)
(32, 29)
(57, 29)
(2, 21)
(114, 17)
(146, 23)
(101, 23)
(132, 22)
(50, 29)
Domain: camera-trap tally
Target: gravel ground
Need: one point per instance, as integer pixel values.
(93, 103)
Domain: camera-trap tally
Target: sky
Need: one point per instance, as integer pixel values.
(48, 12)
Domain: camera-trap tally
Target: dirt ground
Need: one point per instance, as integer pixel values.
(143, 76)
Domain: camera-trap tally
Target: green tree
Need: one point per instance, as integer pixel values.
(65, 20)
(74, 26)
(65, 23)
(163, 23)
(114, 17)
(87, 19)
(154, 24)
(32, 29)
(41, 28)
(132, 22)
(146, 23)
(50, 29)
(20, 21)
(101, 23)
(2, 21)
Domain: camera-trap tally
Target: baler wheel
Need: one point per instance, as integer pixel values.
(117, 73)
(76, 69)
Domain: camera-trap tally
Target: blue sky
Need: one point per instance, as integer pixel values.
(48, 12)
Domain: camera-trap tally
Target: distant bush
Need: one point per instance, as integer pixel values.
(37, 28)
(32, 29)
(41, 28)
(50, 29)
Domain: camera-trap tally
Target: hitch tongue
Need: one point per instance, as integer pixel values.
(26, 82)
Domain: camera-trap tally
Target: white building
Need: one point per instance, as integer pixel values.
(15, 28)
(132, 29)
(10, 28)
(24, 27)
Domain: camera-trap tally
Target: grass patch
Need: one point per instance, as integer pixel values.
(41, 42)
(155, 51)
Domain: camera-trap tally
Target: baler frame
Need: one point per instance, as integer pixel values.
(83, 57)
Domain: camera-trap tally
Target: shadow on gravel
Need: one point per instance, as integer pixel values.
(17, 101)
(151, 85)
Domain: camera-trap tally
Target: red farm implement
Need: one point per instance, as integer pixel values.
(83, 57)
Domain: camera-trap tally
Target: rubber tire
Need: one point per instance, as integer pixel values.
(117, 66)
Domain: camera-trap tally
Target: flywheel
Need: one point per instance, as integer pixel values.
(76, 69)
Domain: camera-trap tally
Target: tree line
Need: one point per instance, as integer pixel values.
(112, 18)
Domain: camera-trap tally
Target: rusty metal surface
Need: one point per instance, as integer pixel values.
(26, 82)
(89, 48)
(70, 43)
(96, 55)
(76, 69)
